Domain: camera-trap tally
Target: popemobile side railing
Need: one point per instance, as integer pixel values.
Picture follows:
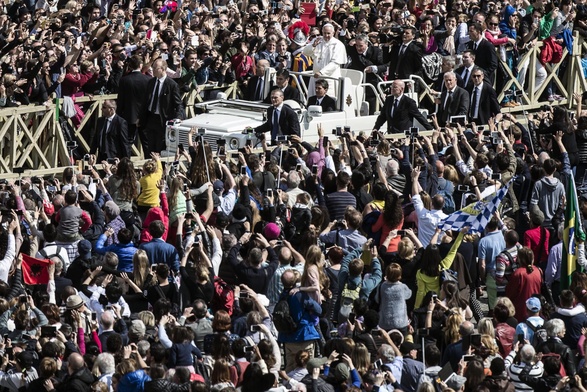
(32, 138)
(566, 81)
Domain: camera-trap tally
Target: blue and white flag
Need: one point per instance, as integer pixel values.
(475, 215)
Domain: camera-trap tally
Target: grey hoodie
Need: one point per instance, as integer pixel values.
(547, 195)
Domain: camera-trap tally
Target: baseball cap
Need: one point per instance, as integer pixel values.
(533, 304)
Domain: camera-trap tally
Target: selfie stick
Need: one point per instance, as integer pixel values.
(280, 169)
(205, 158)
(423, 350)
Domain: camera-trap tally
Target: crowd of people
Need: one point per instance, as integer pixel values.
(318, 267)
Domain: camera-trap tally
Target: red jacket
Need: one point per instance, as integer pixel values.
(156, 213)
(537, 241)
(520, 287)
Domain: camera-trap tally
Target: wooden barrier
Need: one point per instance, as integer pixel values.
(32, 138)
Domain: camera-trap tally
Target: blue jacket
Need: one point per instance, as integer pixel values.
(134, 381)
(124, 252)
(305, 312)
(160, 252)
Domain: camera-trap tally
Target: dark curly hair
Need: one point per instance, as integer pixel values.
(392, 212)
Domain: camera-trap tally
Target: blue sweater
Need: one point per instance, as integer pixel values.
(125, 252)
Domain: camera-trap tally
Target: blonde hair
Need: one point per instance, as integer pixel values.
(508, 304)
(150, 167)
(147, 317)
(405, 249)
(485, 327)
(489, 342)
(140, 263)
(451, 329)
(361, 358)
(451, 174)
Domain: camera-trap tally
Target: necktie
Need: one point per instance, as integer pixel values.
(275, 128)
(475, 46)
(153, 108)
(474, 103)
(259, 91)
(399, 60)
(103, 135)
(448, 101)
(395, 102)
(319, 101)
(466, 76)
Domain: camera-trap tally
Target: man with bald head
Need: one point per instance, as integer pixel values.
(79, 378)
(289, 259)
(256, 85)
(395, 179)
(305, 313)
(399, 111)
(163, 103)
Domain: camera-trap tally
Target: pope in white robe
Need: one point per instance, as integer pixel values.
(328, 54)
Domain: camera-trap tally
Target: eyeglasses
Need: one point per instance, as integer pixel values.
(477, 76)
(493, 24)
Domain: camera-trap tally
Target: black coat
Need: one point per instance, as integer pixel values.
(252, 88)
(469, 85)
(328, 103)
(288, 93)
(459, 106)
(409, 63)
(80, 381)
(485, 58)
(130, 88)
(403, 116)
(555, 346)
(170, 103)
(488, 104)
(288, 122)
(115, 143)
(373, 56)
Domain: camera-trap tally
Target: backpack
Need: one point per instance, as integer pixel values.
(282, 317)
(347, 297)
(57, 254)
(540, 336)
(223, 298)
(446, 192)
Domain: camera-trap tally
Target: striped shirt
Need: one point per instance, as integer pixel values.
(514, 371)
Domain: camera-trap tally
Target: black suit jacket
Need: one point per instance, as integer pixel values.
(115, 143)
(328, 103)
(288, 93)
(488, 104)
(410, 62)
(469, 86)
(288, 122)
(403, 116)
(170, 103)
(485, 58)
(252, 88)
(459, 106)
(373, 56)
(130, 88)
